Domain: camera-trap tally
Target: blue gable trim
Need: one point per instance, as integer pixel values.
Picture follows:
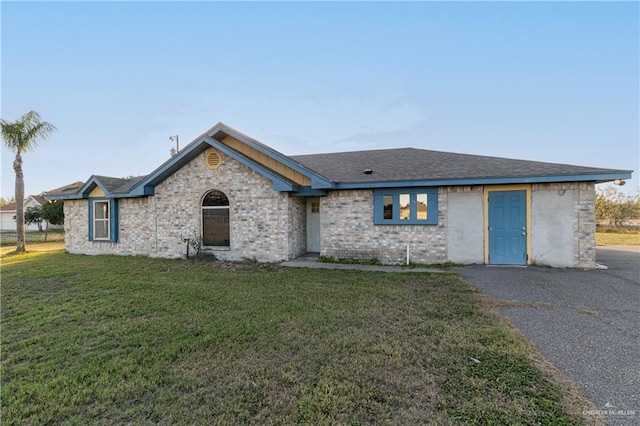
(166, 169)
(90, 185)
(279, 183)
(85, 190)
(317, 181)
(193, 150)
(307, 191)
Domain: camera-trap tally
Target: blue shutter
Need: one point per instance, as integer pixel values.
(114, 220)
(90, 202)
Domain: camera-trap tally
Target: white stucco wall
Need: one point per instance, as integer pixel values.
(465, 235)
(563, 224)
(552, 228)
(7, 223)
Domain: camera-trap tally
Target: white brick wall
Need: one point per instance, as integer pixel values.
(347, 231)
(264, 225)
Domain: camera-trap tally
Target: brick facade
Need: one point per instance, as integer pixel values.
(265, 225)
(348, 231)
(270, 226)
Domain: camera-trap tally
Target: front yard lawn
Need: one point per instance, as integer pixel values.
(134, 340)
(610, 238)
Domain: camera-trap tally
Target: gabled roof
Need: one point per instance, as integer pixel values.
(112, 187)
(343, 170)
(221, 130)
(213, 138)
(66, 189)
(389, 166)
(40, 199)
(118, 185)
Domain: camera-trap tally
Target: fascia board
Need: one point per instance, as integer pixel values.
(596, 177)
(317, 180)
(279, 183)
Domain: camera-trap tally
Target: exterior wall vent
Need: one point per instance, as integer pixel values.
(213, 160)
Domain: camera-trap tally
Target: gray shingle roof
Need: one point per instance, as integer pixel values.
(411, 164)
(67, 189)
(119, 185)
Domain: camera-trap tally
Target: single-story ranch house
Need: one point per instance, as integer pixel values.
(8, 213)
(249, 201)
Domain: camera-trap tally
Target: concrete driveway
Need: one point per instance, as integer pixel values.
(590, 328)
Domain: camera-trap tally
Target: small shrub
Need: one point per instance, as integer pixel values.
(194, 241)
(346, 261)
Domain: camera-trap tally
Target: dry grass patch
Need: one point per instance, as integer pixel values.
(492, 303)
(586, 311)
(611, 238)
(9, 238)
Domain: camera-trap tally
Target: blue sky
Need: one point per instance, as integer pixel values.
(545, 81)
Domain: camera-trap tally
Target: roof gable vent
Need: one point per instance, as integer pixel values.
(213, 160)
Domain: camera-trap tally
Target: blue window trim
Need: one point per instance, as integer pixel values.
(113, 219)
(432, 206)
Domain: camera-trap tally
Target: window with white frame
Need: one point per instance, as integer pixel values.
(101, 220)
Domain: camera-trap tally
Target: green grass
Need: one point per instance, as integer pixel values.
(614, 230)
(606, 236)
(133, 340)
(8, 238)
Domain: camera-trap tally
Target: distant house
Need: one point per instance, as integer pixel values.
(8, 211)
(249, 201)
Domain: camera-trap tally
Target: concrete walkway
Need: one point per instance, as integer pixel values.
(312, 262)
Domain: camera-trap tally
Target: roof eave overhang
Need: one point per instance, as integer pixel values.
(596, 177)
(83, 192)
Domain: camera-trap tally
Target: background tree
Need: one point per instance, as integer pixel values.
(616, 207)
(53, 213)
(33, 216)
(21, 136)
(7, 200)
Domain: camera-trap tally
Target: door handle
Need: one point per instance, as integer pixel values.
(524, 233)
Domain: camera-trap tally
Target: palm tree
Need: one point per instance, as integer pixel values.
(22, 136)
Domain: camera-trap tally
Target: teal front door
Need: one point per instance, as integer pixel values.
(507, 228)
